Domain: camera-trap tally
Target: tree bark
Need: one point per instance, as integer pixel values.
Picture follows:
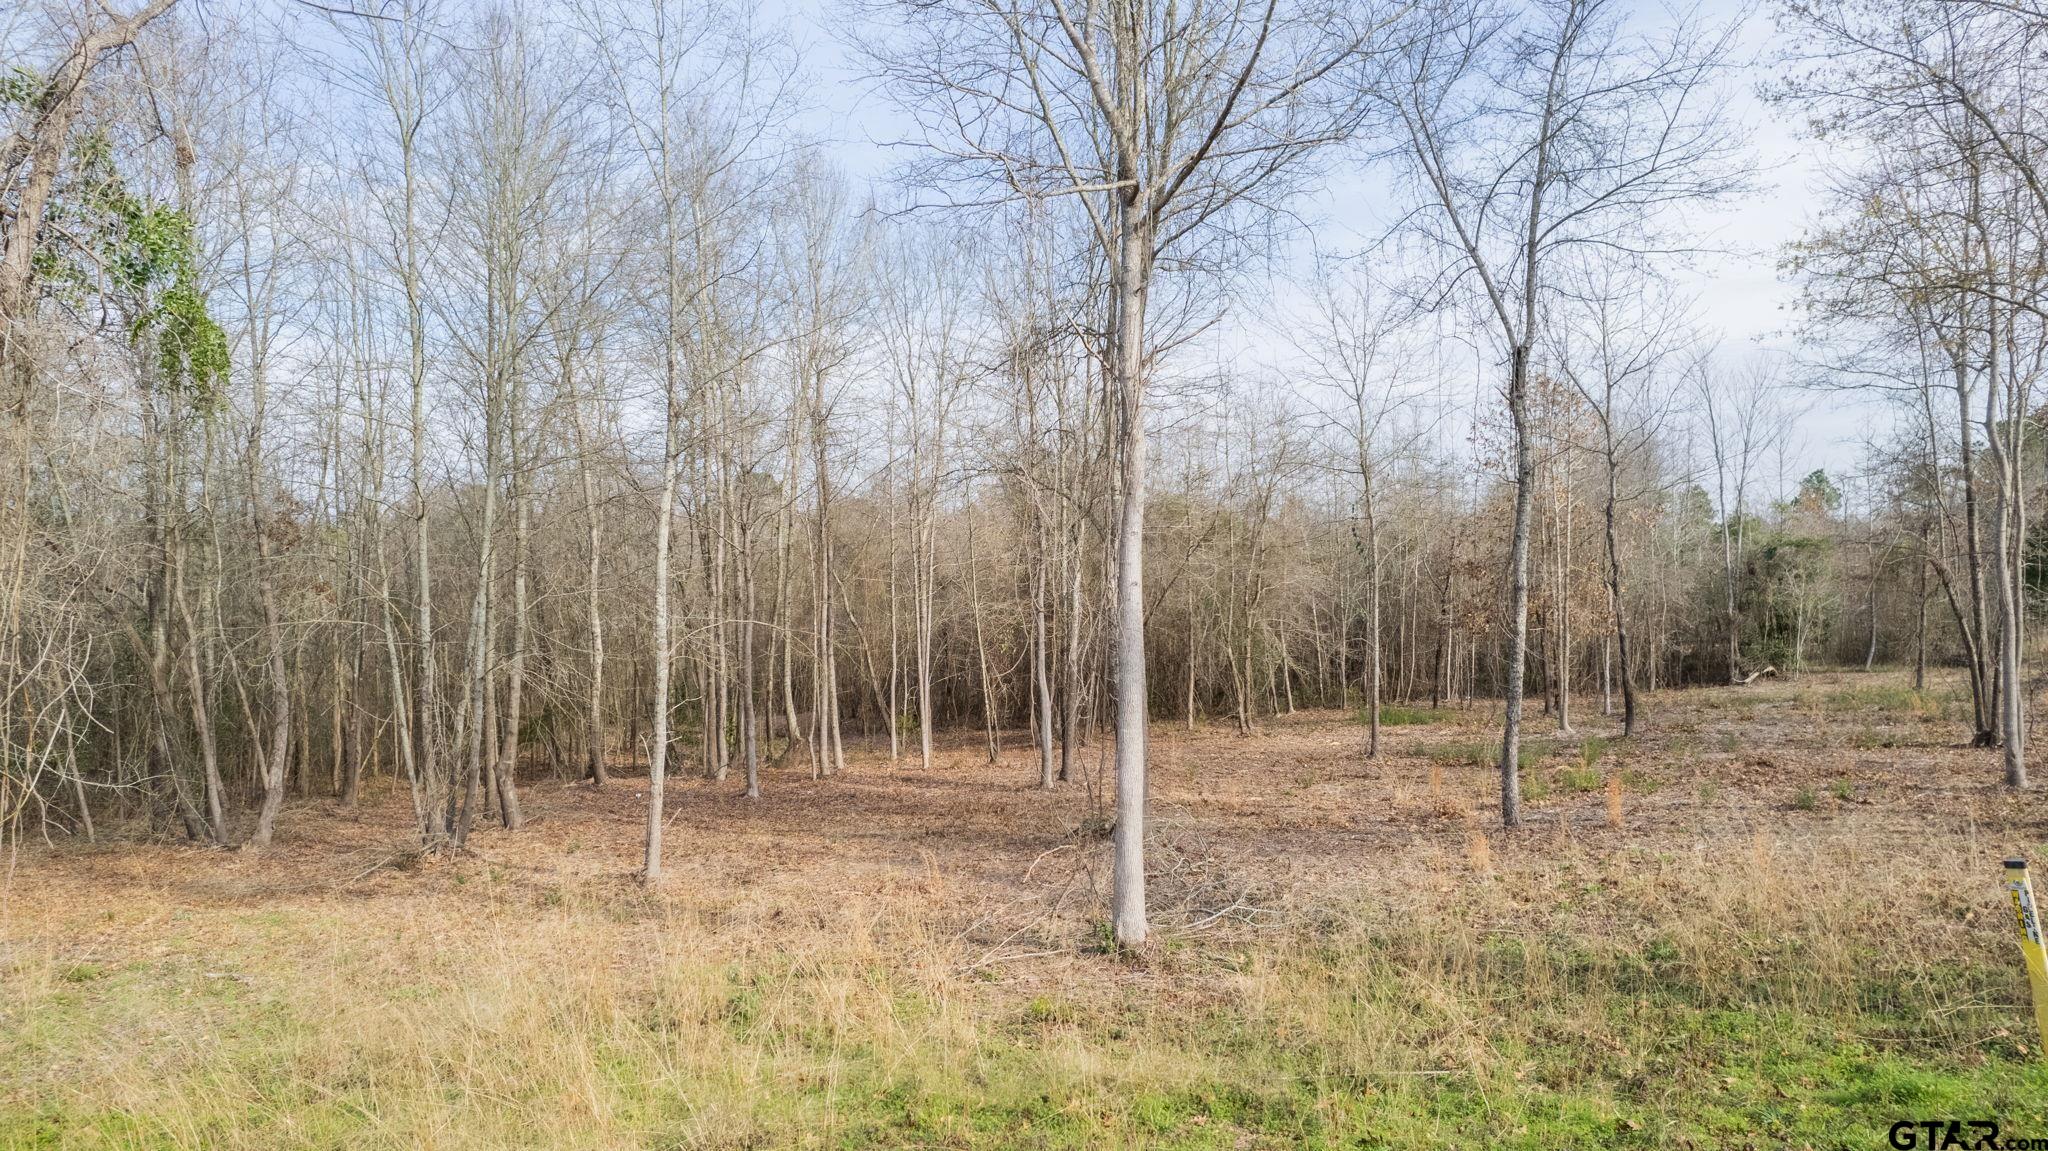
(1518, 590)
(1133, 257)
(1615, 591)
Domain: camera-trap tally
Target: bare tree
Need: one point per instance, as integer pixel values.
(1355, 348)
(1617, 342)
(1168, 126)
(1942, 190)
(37, 656)
(1533, 134)
(1742, 425)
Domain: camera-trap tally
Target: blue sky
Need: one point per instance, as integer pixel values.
(1740, 295)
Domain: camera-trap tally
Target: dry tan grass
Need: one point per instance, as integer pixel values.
(867, 959)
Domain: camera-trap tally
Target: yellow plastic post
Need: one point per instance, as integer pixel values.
(2028, 914)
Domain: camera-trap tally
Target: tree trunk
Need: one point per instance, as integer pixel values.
(1518, 592)
(1981, 689)
(515, 686)
(1070, 665)
(1374, 660)
(1040, 681)
(750, 751)
(827, 709)
(1132, 263)
(1616, 594)
(1564, 607)
(202, 722)
(1732, 619)
(266, 597)
(594, 766)
(657, 751)
(2005, 549)
(1920, 630)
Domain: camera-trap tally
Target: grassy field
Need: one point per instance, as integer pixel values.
(1772, 921)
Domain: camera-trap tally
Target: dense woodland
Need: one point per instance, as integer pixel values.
(442, 397)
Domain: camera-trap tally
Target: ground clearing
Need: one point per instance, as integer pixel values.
(1794, 938)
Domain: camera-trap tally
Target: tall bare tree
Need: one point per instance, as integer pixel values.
(1173, 129)
(1617, 342)
(1533, 133)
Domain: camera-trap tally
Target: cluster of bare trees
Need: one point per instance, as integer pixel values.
(446, 395)
(1931, 271)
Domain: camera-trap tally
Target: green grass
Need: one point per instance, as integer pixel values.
(1890, 699)
(1394, 715)
(1640, 782)
(1579, 779)
(1780, 989)
(1391, 1034)
(1591, 749)
(1872, 697)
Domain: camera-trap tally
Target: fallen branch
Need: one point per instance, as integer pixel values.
(402, 856)
(1239, 905)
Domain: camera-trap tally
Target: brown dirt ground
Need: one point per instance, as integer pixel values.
(1252, 833)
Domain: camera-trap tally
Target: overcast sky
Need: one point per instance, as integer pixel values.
(1740, 295)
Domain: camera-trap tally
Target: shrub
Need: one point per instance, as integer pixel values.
(1591, 749)
(1578, 779)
